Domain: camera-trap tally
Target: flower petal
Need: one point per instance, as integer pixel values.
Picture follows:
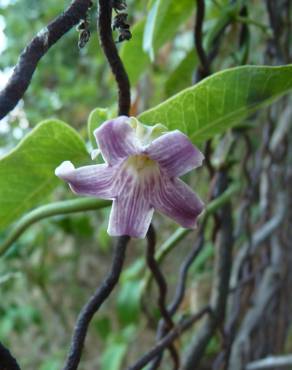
(93, 180)
(175, 153)
(131, 212)
(116, 140)
(177, 200)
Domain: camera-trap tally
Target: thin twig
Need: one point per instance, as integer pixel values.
(7, 361)
(212, 207)
(220, 283)
(162, 286)
(94, 303)
(159, 278)
(181, 287)
(168, 339)
(184, 269)
(111, 52)
(35, 50)
(204, 70)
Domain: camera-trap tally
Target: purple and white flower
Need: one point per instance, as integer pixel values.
(140, 174)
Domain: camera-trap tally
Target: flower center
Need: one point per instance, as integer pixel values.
(141, 163)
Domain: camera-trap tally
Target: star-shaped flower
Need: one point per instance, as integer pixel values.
(140, 175)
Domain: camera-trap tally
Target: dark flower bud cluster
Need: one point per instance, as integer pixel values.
(84, 31)
(120, 20)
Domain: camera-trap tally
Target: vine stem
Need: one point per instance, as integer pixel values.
(7, 361)
(162, 286)
(169, 338)
(35, 50)
(180, 289)
(94, 303)
(106, 287)
(111, 52)
(157, 274)
(205, 69)
(49, 210)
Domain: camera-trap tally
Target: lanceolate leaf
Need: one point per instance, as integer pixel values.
(148, 37)
(27, 173)
(133, 56)
(164, 18)
(95, 119)
(150, 34)
(181, 77)
(221, 101)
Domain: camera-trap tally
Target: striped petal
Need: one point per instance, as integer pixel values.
(175, 153)
(176, 200)
(131, 212)
(93, 180)
(116, 139)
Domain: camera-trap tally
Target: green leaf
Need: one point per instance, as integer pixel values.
(51, 364)
(128, 301)
(103, 326)
(148, 35)
(27, 172)
(95, 119)
(221, 101)
(181, 77)
(134, 58)
(113, 356)
(163, 20)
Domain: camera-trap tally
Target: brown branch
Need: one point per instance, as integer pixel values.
(7, 361)
(94, 303)
(35, 50)
(111, 52)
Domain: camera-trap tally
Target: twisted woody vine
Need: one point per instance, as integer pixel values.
(161, 237)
